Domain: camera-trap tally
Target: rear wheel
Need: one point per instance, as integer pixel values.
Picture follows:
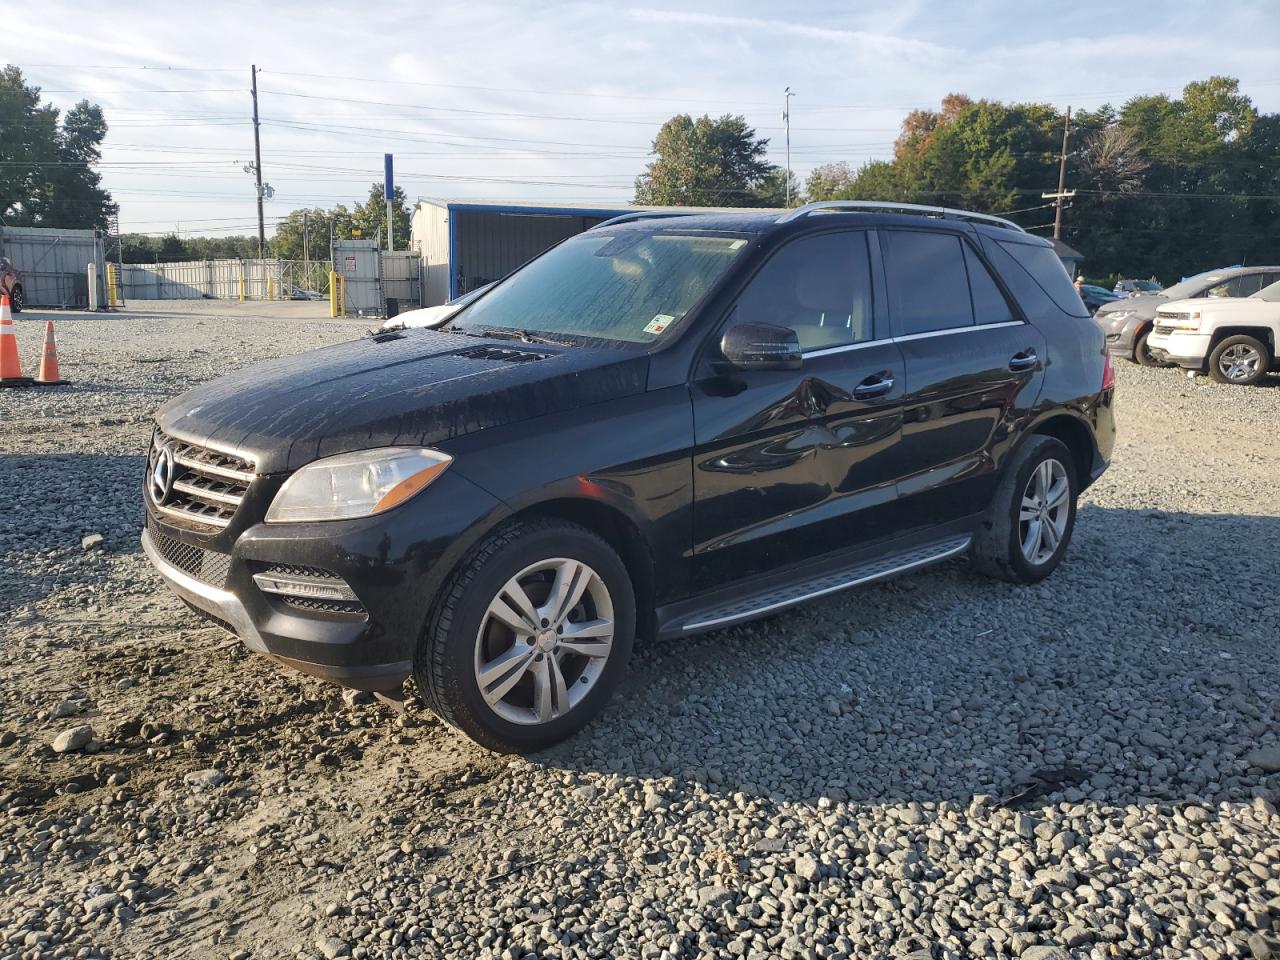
(1028, 526)
(530, 637)
(1241, 360)
(17, 299)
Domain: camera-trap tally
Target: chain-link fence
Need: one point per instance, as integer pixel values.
(305, 279)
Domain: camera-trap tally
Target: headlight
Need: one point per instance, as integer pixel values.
(356, 484)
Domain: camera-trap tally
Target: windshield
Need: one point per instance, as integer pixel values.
(628, 286)
(1146, 286)
(1192, 286)
(1271, 293)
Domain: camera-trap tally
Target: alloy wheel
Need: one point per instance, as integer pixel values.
(1239, 362)
(544, 641)
(1045, 510)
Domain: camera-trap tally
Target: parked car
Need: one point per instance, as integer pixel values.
(1234, 340)
(11, 285)
(432, 318)
(1128, 323)
(1094, 296)
(1133, 288)
(657, 428)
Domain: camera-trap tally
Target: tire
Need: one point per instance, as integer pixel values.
(1240, 360)
(998, 547)
(463, 637)
(17, 300)
(1142, 353)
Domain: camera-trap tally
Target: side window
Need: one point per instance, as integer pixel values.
(1044, 267)
(818, 286)
(928, 282)
(1243, 286)
(989, 304)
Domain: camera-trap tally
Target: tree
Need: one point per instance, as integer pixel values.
(705, 163)
(47, 175)
(831, 181)
(772, 192)
(1166, 186)
(287, 243)
(371, 216)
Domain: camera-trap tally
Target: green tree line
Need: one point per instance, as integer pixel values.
(1165, 186)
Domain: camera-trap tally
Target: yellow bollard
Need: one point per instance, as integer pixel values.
(271, 287)
(242, 287)
(333, 293)
(113, 297)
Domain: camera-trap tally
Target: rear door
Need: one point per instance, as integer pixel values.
(791, 464)
(974, 366)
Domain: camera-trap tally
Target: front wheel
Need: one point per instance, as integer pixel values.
(17, 300)
(1240, 360)
(1028, 525)
(530, 636)
(1142, 352)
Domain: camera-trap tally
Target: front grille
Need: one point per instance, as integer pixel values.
(297, 570)
(207, 566)
(207, 484)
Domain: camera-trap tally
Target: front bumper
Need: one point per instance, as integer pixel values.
(1121, 334)
(1187, 350)
(394, 563)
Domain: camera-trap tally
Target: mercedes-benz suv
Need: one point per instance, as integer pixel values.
(661, 426)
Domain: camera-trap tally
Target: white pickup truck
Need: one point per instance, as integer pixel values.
(1233, 339)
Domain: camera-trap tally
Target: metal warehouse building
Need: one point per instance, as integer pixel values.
(465, 244)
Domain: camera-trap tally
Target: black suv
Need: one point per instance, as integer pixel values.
(661, 426)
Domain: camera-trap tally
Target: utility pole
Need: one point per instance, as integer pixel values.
(1063, 192)
(786, 120)
(257, 163)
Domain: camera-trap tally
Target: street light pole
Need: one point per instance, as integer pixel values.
(257, 163)
(786, 119)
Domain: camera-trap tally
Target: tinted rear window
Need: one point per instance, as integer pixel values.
(928, 283)
(1044, 267)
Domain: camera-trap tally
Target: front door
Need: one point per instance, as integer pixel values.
(790, 464)
(973, 367)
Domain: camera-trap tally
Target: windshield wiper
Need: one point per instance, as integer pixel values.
(524, 336)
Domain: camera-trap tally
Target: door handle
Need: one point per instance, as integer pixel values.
(876, 385)
(1026, 360)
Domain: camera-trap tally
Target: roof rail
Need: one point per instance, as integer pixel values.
(948, 213)
(643, 215)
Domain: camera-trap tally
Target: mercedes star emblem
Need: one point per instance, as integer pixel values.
(160, 483)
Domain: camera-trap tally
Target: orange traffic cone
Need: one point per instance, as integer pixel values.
(49, 375)
(10, 365)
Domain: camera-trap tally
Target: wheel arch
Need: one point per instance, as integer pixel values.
(621, 533)
(1266, 335)
(1077, 436)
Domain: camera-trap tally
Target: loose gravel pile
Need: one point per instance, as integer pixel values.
(935, 767)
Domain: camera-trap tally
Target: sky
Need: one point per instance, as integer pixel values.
(561, 100)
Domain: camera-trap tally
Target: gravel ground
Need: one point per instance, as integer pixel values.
(935, 767)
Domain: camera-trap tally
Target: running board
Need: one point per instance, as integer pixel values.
(779, 598)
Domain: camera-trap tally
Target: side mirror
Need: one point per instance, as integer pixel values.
(761, 346)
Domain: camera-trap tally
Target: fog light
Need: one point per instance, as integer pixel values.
(313, 588)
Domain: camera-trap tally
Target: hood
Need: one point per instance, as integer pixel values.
(410, 388)
(1218, 305)
(1143, 304)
